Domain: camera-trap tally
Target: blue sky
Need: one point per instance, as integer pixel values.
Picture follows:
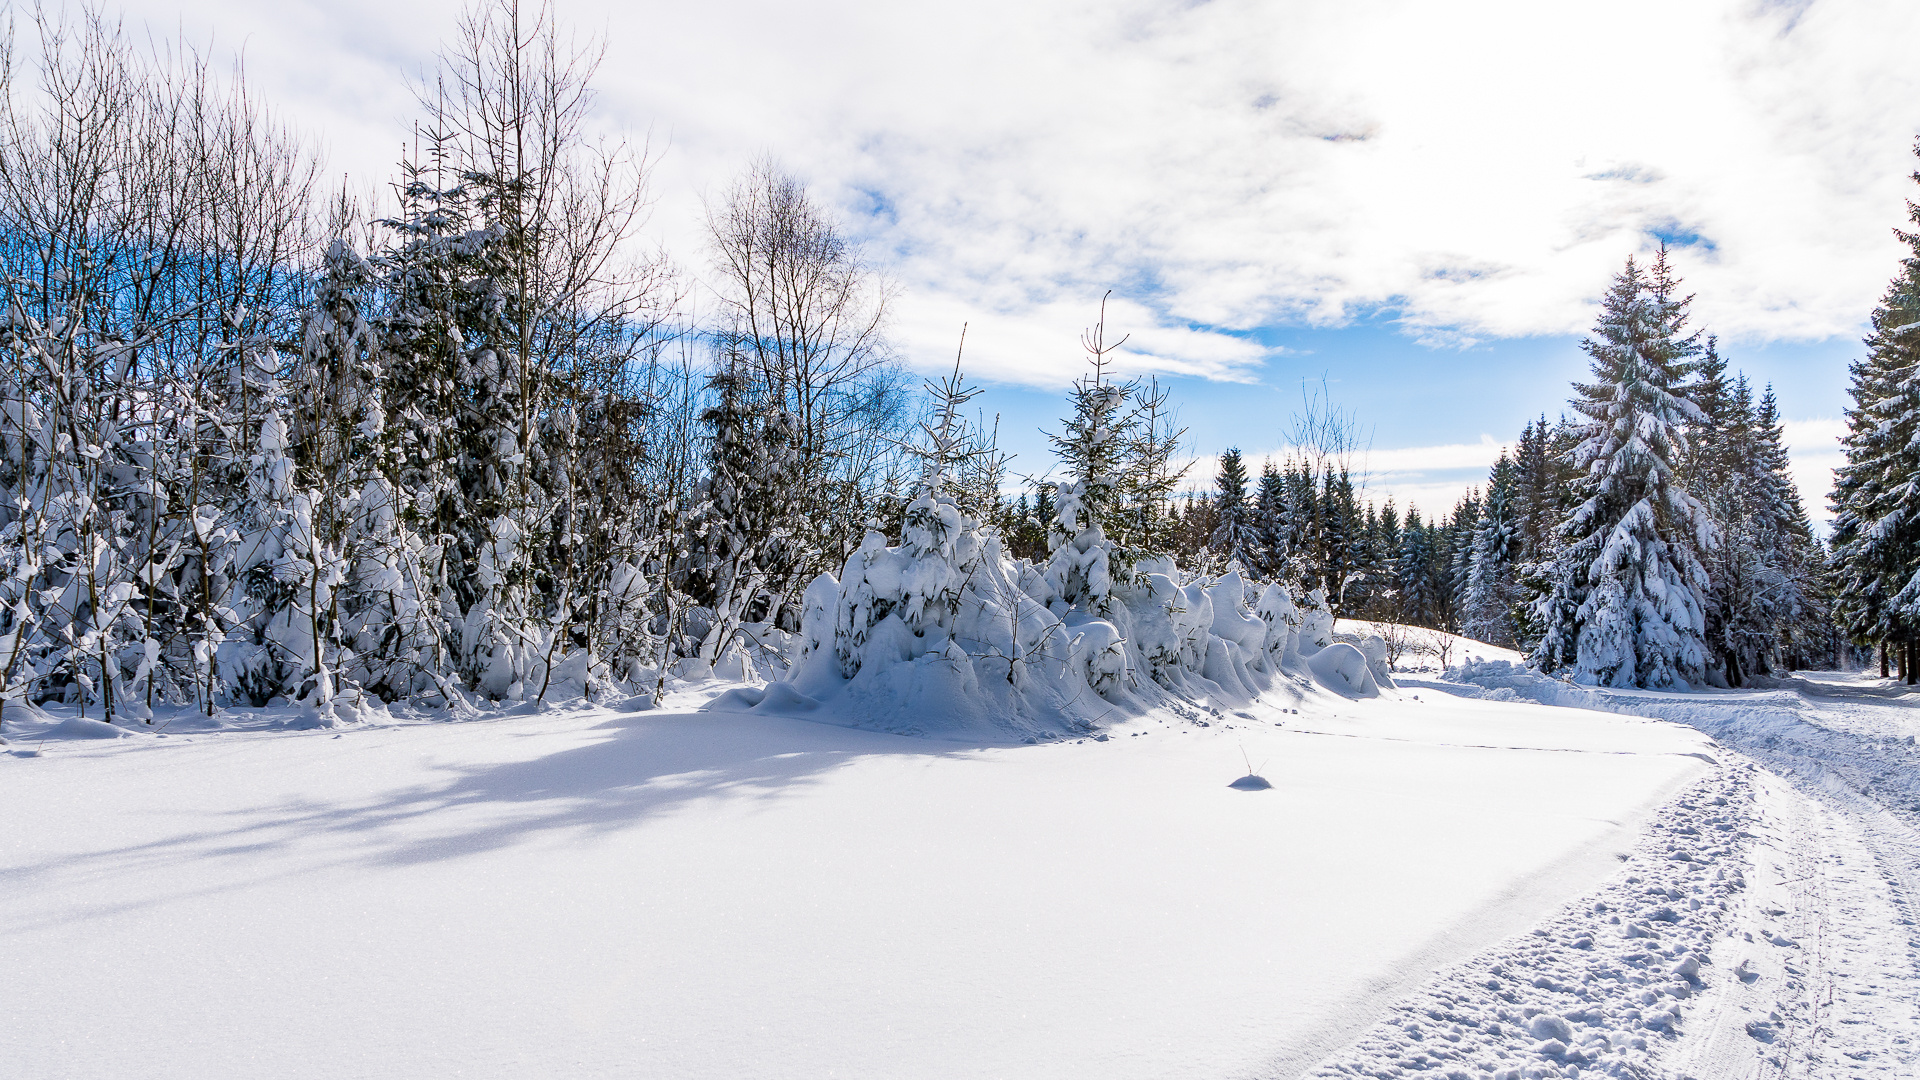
(1421, 409)
(1420, 202)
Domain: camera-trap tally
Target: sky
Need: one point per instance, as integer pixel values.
(1410, 207)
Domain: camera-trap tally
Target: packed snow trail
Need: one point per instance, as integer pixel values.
(1791, 888)
(599, 894)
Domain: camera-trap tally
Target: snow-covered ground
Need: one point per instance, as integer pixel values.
(691, 894)
(1425, 650)
(1799, 871)
(1437, 883)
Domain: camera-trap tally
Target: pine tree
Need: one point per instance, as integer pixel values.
(1272, 536)
(1235, 538)
(1627, 601)
(1876, 525)
(1490, 603)
(1458, 534)
(1413, 572)
(1093, 447)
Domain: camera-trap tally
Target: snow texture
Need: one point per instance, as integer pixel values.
(589, 892)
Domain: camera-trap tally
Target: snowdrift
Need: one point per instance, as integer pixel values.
(946, 636)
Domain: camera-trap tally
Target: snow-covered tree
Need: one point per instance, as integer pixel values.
(1271, 532)
(1876, 525)
(1493, 593)
(1236, 537)
(1628, 592)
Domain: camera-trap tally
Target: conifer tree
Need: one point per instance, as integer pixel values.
(1493, 595)
(1627, 599)
(1413, 572)
(1235, 538)
(1270, 525)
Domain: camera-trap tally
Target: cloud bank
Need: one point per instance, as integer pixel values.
(1478, 169)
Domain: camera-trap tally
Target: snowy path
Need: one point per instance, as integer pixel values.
(1791, 883)
(596, 894)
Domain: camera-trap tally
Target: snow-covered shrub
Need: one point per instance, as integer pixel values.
(944, 634)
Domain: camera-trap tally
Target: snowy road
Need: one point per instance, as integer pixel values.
(1789, 879)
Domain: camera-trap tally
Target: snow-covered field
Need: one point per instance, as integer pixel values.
(1435, 881)
(1425, 650)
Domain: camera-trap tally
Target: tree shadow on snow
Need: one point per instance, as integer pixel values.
(647, 765)
(650, 765)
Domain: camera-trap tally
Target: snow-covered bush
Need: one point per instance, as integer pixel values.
(944, 634)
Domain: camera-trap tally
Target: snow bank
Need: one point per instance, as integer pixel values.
(1343, 669)
(77, 727)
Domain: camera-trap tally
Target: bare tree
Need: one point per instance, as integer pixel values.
(810, 317)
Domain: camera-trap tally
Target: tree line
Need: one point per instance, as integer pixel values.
(261, 441)
(1652, 537)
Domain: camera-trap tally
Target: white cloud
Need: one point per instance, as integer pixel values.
(1813, 448)
(1480, 167)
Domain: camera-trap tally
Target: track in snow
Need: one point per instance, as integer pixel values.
(1801, 923)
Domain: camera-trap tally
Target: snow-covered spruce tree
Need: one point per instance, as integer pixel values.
(1803, 610)
(1143, 521)
(1272, 539)
(1236, 537)
(1870, 561)
(1765, 568)
(1876, 524)
(1627, 599)
(1413, 564)
(1340, 548)
(940, 548)
(1720, 441)
(451, 429)
(1490, 605)
(1373, 588)
(1457, 542)
(1092, 446)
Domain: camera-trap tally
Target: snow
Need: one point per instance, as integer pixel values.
(1428, 650)
(1495, 874)
(1343, 669)
(590, 892)
(1812, 969)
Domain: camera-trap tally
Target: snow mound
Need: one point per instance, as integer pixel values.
(1343, 669)
(75, 727)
